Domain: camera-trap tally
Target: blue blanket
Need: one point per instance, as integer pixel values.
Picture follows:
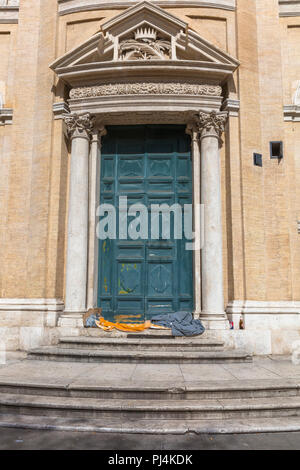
(181, 323)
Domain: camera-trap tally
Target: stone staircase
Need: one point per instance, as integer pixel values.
(147, 348)
(252, 406)
(40, 396)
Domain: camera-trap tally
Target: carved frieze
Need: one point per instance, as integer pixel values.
(146, 89)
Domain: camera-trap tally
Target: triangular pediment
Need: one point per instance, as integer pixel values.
(140, 36)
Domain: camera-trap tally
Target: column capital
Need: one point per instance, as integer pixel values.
(192, 130)
(79, 125)
(211, 124)
(98, 132)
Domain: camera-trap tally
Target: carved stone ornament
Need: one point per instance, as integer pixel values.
(149, 88)
(79, 125)
(211, 123)
(145, 46)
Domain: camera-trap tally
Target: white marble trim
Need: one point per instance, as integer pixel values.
(45, 305)
(291, 112)
(263, 307)
(6, 116)
(66, 7)
(59, 109)
(232, 106)
(289, 8)
(9, 14)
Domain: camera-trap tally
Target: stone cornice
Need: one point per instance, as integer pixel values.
(85, 73)
(289, 8)
(232, 106)
(292, 112)
(6, 116)
(60, 109)
(9, 11)
(66, 7)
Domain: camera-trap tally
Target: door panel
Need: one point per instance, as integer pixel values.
(141, 278)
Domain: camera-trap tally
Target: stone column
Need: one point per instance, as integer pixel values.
(79, 128)
(192, 130)
(211, 126)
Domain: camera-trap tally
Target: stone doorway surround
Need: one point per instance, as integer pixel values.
(145, 67)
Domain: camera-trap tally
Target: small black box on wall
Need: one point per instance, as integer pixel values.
(257, 159)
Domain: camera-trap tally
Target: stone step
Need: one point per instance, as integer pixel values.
(149, 409)
(53, 353)
(166, 334)
(221, 389)
(148, 343)
(149, 426)
(154, 334)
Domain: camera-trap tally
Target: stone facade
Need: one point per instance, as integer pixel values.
(253, 77)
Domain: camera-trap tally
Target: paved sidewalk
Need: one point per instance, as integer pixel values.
(20, 439)
(269, 368)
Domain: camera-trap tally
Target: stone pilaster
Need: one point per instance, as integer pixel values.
(192, 130)
(94, 201)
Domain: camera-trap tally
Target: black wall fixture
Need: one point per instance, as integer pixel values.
(257, 159)
(276, 149)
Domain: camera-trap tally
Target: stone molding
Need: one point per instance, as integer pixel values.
(60, 109)
(211, 124)
(9, 11)
(289, 8)
(263, 307)
(291, 112)
(66, 7)
(232, 106)
(144, 111)
(45, 305)
(146, 89)
(79, 125)
(9, 3)
(6, 116)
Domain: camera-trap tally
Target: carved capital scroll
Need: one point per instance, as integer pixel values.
(79, 125)
(211, 124)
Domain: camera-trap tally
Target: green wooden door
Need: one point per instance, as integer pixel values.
(141, 278)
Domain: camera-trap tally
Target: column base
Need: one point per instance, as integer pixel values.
(196, 315)
(215, 321)
(71, 320)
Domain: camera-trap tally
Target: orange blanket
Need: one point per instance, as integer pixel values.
(135, 327)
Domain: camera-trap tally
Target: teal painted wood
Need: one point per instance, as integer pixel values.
(141, 278)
